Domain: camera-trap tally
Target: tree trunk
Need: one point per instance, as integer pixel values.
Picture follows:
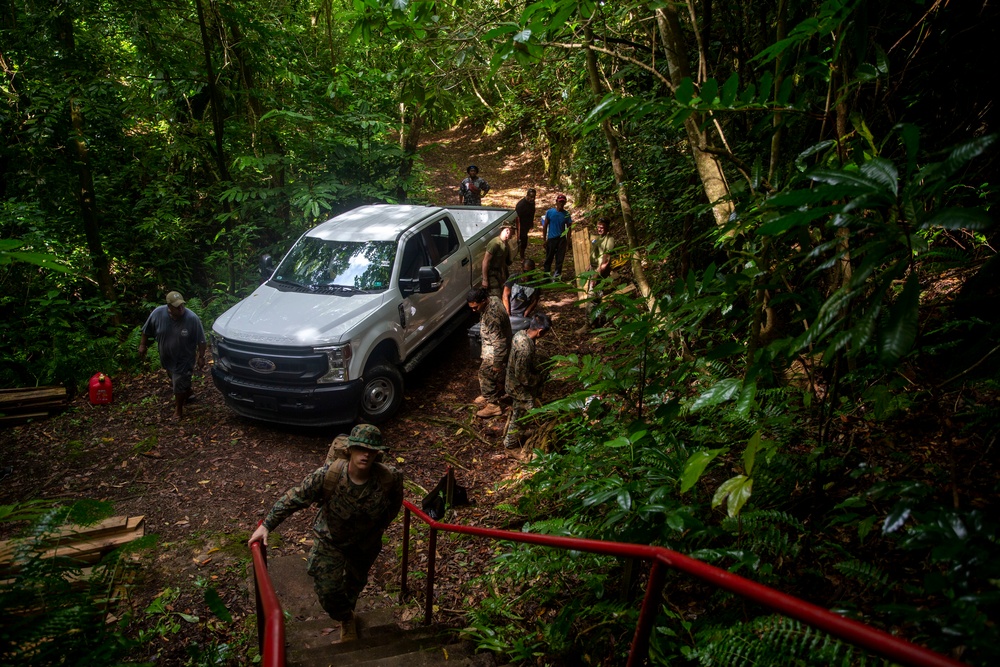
(777, 122)
(85, 193)
(218, 130)
(709, 169)
(616, 164)
(409, 141)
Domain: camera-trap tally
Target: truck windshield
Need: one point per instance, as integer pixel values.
(317, 264)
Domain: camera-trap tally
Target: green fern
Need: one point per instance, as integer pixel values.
(866, 574)
(775, 640)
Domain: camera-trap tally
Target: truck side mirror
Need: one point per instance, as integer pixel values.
(266, 268)
(430, 279)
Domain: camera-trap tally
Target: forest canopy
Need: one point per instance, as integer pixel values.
(802, 193)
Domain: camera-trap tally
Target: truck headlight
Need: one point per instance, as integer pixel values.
(217, 356)
(338, 358)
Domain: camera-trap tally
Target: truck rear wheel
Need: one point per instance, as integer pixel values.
(382, 393)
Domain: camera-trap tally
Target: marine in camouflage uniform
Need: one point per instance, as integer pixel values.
(495, 335)
(349, 525)
(525, 376)
(495, 331)
(497, 261)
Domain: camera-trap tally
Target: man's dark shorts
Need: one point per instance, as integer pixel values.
(181, 382)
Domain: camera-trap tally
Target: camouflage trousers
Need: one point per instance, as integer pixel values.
(515, 427)
(491, 377)
(339, 576)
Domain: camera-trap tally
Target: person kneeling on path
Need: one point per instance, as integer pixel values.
(520, 297)
(525, 376)
(358, 498)
(494, 330)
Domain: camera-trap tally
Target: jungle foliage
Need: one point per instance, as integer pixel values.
(802, 193)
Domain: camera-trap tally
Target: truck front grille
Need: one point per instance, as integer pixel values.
(273, 364)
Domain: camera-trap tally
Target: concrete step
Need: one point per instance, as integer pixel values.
(313, 639)
(454, 655)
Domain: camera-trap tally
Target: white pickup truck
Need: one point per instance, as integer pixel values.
(357, 301)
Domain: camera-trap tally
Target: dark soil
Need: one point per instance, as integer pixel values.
(204, 481)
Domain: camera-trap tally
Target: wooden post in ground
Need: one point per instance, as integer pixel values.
(581, 260)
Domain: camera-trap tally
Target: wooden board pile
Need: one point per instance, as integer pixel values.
(21, 404)
(84, 545)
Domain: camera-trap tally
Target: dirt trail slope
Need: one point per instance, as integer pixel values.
(204, 482)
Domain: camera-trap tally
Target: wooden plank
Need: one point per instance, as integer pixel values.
(16, 419)
(31, 394)
(581, 259)
(85, 543)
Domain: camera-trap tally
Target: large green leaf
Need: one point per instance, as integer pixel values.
(901, 330)
(721, 392)
(709, 91)
(883, 172)
(695, 467)
(736, 492)
(959, 218)
(729, 89)
(685, 91)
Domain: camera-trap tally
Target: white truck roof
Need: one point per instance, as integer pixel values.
(385, 222)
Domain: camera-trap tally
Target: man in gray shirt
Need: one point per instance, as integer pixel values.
(178, 333)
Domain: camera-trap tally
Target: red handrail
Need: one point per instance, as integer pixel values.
(850, 631)
(270, 618)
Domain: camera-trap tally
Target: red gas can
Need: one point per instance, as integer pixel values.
(100, 389)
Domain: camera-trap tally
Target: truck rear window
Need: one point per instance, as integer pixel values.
(317, 264)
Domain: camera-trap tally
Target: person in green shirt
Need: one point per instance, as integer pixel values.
(497, 261)
(600, 263)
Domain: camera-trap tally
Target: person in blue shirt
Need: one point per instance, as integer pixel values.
(556, 231)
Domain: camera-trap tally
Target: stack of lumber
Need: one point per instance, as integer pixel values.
(85, 545)
(20, 405)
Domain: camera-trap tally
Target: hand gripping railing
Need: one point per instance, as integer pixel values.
(850, 631)
(270, 618)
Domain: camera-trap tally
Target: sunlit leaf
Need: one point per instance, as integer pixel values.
(695, 466)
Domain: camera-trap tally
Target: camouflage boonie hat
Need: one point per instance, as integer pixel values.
(367, 436)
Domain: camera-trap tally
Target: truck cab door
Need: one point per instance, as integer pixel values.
(438, 245)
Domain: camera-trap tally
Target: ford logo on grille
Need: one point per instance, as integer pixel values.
(262, 365)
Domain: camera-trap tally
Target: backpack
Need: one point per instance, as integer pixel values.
(338, 456)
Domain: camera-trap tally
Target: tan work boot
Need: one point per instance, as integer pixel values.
(349, 630)
(480, 400)
(491, 410)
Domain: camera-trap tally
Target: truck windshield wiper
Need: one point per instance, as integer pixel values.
(286, 281)
(343, 288)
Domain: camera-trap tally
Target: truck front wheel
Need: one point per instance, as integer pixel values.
(382, 393)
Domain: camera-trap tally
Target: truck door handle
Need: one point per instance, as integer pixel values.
(402, 316)
(465, 261)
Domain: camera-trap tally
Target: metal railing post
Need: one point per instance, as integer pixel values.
(406, 553)
(429, 601)
(261, 618)
(650, 604)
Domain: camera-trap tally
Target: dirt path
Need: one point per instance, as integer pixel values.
(205, 481)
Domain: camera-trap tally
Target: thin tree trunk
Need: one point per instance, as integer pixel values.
(218, 122)
(218, 129)
(776, 122)
(709, 169)
(616, 164)
(85, 176)
(88, 210)
(409, 141)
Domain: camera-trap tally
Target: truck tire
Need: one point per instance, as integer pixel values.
(381, 394)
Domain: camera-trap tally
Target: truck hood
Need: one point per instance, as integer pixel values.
(275, 317)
